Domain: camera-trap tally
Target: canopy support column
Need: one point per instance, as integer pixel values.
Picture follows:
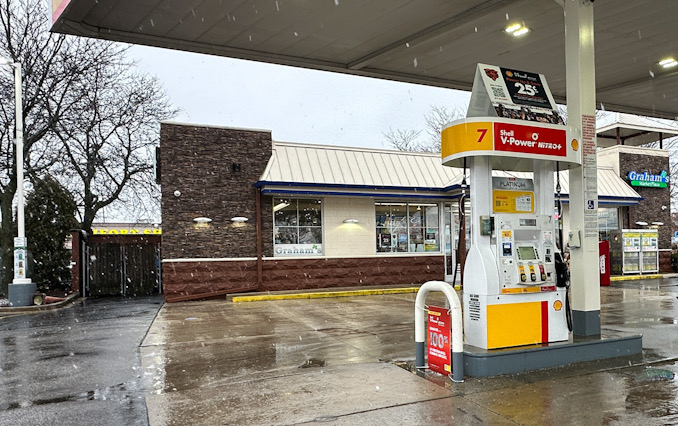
(581, 126)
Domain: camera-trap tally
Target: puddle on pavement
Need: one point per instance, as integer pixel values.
(655, 375)
(313, 362)
(433, 377)
(123, 392)
(654, 393)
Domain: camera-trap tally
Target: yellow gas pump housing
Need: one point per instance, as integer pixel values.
(510, 294)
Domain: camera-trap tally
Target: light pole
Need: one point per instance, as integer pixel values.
(21, 290)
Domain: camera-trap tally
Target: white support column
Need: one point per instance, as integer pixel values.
(581, 113)
(543, 187)
(480, 270)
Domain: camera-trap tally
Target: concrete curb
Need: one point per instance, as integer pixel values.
(323, 294)
(636, 277)
(33, 308)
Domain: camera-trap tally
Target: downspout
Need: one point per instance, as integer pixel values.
(260, 262)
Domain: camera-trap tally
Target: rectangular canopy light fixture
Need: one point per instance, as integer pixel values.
(516, 30)
(668, 63)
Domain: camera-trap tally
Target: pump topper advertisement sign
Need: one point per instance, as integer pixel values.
(511, 93)
(439, 356)
(526, 88)
(512, 118)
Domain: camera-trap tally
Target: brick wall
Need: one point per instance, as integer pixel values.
(650, 208)
(200, 277)
(214, 169)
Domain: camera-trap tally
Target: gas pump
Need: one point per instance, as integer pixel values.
(511, 297)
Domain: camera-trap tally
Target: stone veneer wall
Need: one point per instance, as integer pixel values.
(650, 208)
(201, 277)
(214, 169)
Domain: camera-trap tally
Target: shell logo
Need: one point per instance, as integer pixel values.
(557, 305)
(509, 74)
(575, 144)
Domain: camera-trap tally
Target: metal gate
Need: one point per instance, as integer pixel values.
(123, 270)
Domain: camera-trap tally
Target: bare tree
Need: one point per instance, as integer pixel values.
(59, 73)
(436, 119)
(403, 140)
(108, 145)
(50, 65)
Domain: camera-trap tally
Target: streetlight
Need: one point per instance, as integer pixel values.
(21, 290)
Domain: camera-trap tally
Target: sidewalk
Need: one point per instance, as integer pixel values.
(337, 360)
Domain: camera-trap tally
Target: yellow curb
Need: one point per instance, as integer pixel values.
(635, 277)
(323, 294)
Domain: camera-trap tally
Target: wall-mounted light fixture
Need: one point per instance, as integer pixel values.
(351, 221)
(177, 193)
(202, 222)
(239, 219)
(641, 223)
(658, 223)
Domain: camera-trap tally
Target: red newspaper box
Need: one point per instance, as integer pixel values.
(604, 262)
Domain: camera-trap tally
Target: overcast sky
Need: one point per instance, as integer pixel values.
(297, 105)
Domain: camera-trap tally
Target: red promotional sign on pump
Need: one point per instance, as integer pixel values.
(439, 356)
(529, 139)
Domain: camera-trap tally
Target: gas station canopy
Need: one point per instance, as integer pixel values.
(432, 42)
(625, 129)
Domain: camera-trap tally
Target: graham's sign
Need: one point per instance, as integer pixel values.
(648, 180)
(297, 249)
(127, 231)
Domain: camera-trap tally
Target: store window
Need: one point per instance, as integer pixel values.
(407, 227)
(608, 221)
(297, 227)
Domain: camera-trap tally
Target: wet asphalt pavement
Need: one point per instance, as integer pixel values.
(77, 365)
(334, 361)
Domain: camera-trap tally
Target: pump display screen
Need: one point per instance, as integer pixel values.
(526, 253)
